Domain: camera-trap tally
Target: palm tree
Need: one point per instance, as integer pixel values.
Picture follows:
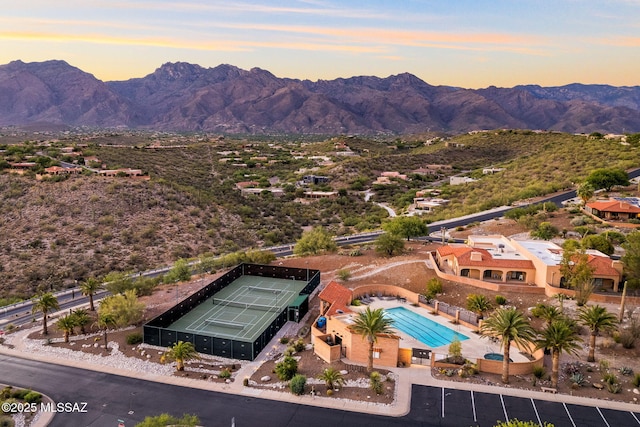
(585, 191)
(559, 336)
(88, 288)
(66, 324)
(181, 352)
(597, 319)
(509, 325)
(332, 377)
(368, 324)
(105, 321)
(549, 313)
(479, 304)
(82, 319)
(45, 304)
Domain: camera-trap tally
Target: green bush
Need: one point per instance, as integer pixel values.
(344, 275)
(297, 384)
(299, 345)
(20, 393)
(539, 372)
(33, 397)
(287, 368)
(434, 286)
(225, 374)
(500, 300)
(134, 338)
(376, 382)
(284, 340)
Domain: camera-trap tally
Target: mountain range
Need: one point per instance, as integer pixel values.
(226, 99)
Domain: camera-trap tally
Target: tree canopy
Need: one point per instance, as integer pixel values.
(315, 241)
(607, 178)
(631, 259)
(406, 226)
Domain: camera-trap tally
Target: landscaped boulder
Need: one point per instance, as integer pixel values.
(265, 379)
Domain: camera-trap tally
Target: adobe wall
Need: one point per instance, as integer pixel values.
(490, 286)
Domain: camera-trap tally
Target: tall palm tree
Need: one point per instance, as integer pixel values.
(45, 304)
(82, 319)
(597, 319)
(181, 352)
(368, 324)
(509, 325)
(66, 324)
(88, 288)
(332, 377)
(559, 337)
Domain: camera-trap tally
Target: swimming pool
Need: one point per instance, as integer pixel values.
(419, 327)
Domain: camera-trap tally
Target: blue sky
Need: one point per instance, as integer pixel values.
(447, 42)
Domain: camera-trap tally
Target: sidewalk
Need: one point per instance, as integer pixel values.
(406, 377)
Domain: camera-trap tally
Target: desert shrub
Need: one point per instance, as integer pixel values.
(610, 378)
(539, 372)
(134, 338)
(577, 221)
(356, 302)
(572, 368)
(577, 379)
(225, 374)
(500, 300)
(299, 345)
(5, 393)
(625, 370)
(614, 388)
(627, 339)
(297, 384)
(20, 393)
(245, 382)
(284, 340)
(434, 286)
(287, 368)
(376, 382)
(329, 392)
(32, 397)
(344, 274)
(455, 348)
(636, 380)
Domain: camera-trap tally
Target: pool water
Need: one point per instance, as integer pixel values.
(496, 356)
(419, 327)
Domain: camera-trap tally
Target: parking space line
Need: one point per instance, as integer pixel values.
(635, 418)
(442, 402)
(504, 408)
(536, 411)
(603, 418)
(473, 407)
(568, 414)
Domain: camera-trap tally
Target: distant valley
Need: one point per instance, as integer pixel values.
(186, 97)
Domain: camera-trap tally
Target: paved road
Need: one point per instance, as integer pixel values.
(112, 397)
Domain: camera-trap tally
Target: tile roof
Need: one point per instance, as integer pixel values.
(463, 255)
(338, 296)
(613, 206)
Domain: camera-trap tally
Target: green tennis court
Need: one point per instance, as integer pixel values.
(242, 310)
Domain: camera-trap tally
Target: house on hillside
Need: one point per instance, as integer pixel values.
(501, 259)
(332, 337)
(616, 209)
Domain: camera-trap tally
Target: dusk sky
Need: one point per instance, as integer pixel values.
(466, 43)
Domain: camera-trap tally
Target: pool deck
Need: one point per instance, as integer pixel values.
(473, 348)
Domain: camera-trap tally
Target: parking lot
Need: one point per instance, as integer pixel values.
(449, 407)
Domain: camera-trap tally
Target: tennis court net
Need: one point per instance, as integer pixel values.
(255, 306)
